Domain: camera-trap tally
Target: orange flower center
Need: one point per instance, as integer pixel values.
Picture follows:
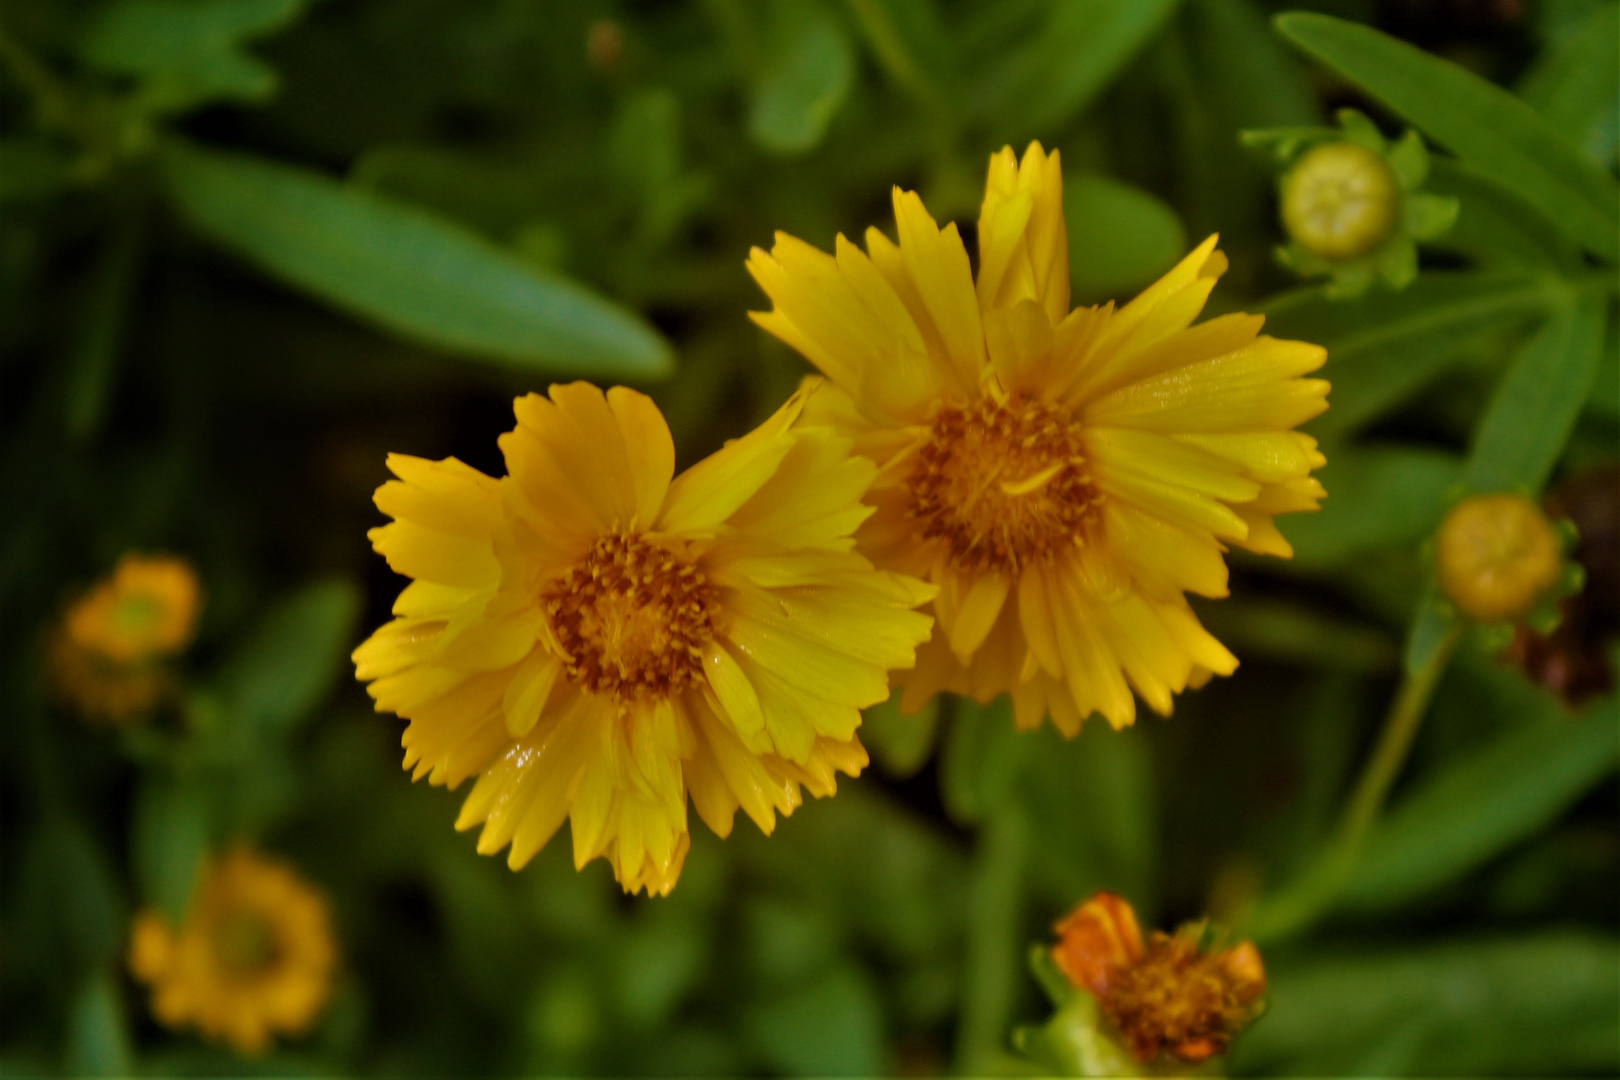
(632, 619)
(1179, 1000)
(1002, 484)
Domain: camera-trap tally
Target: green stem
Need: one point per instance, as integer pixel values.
(1314, 892)
(994, 939)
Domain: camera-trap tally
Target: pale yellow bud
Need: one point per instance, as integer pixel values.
(1498, 555)
(1340, 201)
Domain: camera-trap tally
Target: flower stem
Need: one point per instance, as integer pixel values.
(1313, 893)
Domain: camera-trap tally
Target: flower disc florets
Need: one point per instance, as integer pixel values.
(632, 619)
(1002, 484)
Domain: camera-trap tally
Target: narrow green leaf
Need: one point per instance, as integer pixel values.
(1575, 83)
(1433, 621)
(1484, 802)
(1483, 124)
(980, 758)
(803, 82)
(98, 1041)
(909, 40)
(1120, 237)
(1540, 1002)
(1084, 44)
(290, 660)
(1496, 226)
(791, 1030)
(406, 270)
(171, 832)
(1379, 497)
(100, 332)
(187, 52)
(1387, 346)
(1523, 431)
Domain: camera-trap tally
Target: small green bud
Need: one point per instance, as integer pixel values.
(1340, 201)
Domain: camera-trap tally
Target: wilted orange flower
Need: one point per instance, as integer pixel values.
(1166, 996)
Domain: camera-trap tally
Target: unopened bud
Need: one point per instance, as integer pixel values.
(1340, 201)
(1498, 555)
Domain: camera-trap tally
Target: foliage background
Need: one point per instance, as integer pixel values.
(249, 246)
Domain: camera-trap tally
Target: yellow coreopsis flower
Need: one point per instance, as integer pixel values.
(107, 655)
(252, 960)
(600, 639)
(1064, 477)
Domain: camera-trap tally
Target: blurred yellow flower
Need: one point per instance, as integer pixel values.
(106, 656)
(1064, 477)
(599, 640)
(1498, 556)
(253, 958)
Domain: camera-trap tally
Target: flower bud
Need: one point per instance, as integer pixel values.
(1498, 555)
(1340, 201)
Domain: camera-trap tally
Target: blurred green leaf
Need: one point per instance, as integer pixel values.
(94, 356)
(169, 843)
(804, 79)
(645, 145)
(1575, 83)
(660, 959)
(98, 1035)
(69, 887)
(1483, 124)
(1079, 50)
(186, 52)
(901, 744)
(1388, 345)
(288, 662)
(1480, 804)
(1434, 621)
(1120, 237)
(910, 42)
(980, 758)
(1523, 431)
(406, 270)
(1496, 226)
(1288, 630)
(831, 1026)
(1379, 496)
(1536, 1003)
(31, 169)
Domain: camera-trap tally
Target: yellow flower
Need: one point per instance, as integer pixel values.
(106, 657)
(1064, 477)
(1498, 556)
(253, 958)
(147, 608)
(598, 640)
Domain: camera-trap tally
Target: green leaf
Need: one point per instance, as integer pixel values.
(101, 330)
(288, 663)
(1120, 237)
(186, 52)
(98, 1041)
(170, 841)
(909, 40)
(901, 744)
(1379, 497)
(981, 756)
(1575, 84)
(1433, 622)
(803, 82)
(831, 1026)
(1388, 346)
(1083, 45)
(1523, 431)
(1481, 123)
(1539, 1002)
(406, 270)
(1495, 225)
(1480, 804)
